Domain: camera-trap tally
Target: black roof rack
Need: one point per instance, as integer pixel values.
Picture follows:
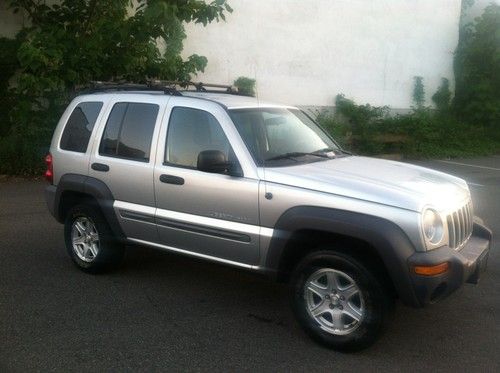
(199, 87)
(97, 86)
(166, 86)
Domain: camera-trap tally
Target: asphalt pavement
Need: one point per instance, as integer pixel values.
(163, 312)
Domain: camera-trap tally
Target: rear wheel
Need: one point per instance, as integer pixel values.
(338, 301)
(89, 240)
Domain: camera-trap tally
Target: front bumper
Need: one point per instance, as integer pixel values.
(464, 266)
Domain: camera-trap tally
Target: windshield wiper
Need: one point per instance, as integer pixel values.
(292, 155)
(334, 151)
(324, 151)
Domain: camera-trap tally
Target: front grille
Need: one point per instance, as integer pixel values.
(460, 225)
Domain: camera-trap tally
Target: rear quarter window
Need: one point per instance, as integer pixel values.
(79, 127)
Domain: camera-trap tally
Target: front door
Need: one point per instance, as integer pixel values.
(214, 215)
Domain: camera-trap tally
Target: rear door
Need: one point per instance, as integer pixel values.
(123, 158)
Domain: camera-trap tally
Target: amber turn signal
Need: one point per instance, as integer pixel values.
(432, 270)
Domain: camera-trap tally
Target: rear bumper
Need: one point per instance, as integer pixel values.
(464, 266)
(50, 199)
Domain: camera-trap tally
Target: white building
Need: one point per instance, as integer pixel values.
(306, 52)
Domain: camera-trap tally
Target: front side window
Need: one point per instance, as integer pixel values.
(129, 131)
(76, 134)
(191, 131)
(274, 135)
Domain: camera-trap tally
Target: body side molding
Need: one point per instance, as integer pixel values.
(197, 255)
(165, 217)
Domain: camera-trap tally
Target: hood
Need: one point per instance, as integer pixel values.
(377, 180)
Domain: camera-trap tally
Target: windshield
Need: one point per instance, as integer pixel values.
(277, 135)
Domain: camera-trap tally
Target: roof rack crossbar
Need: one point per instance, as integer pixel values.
(98, 86)
(199, 86)
(168, 87)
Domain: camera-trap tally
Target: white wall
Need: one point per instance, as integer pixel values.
(10, 23)
(305, 52)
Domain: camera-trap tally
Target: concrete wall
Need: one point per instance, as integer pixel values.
(10, 23)
(306, 52)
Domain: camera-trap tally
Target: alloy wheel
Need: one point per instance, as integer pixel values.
(334, 301)
(85, 239)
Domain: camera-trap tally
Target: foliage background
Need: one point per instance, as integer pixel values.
(73, 42)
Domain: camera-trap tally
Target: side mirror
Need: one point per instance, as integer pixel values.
(215, 161)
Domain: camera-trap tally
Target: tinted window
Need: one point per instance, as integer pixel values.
(77, 132)
(129, 131)
(109, 142)
(191, 131)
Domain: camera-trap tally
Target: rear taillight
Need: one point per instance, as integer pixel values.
(49, 173)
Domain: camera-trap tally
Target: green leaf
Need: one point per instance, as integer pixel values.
(71, 42)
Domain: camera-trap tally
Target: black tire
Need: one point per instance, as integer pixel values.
(376, 309)
(110, 253)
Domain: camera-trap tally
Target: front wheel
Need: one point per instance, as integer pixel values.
(338, 301)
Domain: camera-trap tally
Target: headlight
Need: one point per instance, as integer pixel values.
(432, 225)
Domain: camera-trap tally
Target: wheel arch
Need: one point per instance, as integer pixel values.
(71, 198)
(374, 241)
(74, 189)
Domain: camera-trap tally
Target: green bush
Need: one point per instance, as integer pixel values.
(246, 86)
(20, 156)
(418, 92)
(422, 133)
(477, 70)
(442, 96)
(8, 66)
(68, 43)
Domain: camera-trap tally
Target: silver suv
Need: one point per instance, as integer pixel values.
(260, 186)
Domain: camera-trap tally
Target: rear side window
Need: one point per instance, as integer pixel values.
(129, 131)
(79, 127)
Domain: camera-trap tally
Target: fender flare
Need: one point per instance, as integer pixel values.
(94, 188)
(389, 241)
